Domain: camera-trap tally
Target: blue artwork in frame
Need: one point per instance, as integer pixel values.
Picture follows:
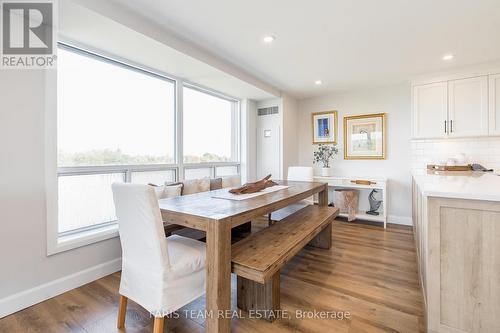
(324, 127)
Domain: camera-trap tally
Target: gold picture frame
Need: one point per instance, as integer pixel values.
(363, 146)
(324, 127)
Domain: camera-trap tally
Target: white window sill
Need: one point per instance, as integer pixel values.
(83, 238)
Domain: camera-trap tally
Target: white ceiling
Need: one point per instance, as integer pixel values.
(345, 43)
(81, 24)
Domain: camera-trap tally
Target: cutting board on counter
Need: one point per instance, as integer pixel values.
(437, 167)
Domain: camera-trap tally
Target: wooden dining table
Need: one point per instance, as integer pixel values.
(217, 216)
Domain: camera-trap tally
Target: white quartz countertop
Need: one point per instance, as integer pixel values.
(460, 185)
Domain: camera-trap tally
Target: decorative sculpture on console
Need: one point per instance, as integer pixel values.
(374, 203)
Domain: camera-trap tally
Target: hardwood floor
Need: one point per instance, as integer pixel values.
(369, 272)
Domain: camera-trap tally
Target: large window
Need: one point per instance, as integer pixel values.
(117, 123)
(109, 114)
(114, 123)
(209, 131)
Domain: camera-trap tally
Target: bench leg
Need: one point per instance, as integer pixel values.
(323, 240)
(270, 221)
(262, 299)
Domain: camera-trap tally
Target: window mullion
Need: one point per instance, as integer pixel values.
(235, 132)
(179, 139)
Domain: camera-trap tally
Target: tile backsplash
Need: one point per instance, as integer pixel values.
(485, 151)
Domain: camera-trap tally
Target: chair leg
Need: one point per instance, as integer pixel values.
(122, 310)
(158, 325)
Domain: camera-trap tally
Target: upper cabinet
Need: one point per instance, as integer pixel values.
(430, 110)
(457, 108)
(468, 107)
(494, 104)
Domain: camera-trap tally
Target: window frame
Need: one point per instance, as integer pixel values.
(59, 242)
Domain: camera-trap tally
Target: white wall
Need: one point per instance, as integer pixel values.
(248, 140)
(286, 122)
(23, 242)
(269, 157)
(396, 102)
(290, 139)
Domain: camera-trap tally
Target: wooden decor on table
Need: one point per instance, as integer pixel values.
(449, 167)
(254, 187)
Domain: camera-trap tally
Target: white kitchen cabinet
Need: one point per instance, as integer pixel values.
(468, 107)
(494, 104)
(430, 110)
(456, 108)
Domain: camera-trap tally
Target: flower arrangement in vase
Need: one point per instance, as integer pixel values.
(323, 155)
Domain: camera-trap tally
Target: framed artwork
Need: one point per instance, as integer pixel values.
(324, 126)
(364, 137)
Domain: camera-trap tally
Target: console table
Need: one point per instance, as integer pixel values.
(347, 183)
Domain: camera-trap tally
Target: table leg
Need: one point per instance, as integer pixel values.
(323, 197)
(218, 287)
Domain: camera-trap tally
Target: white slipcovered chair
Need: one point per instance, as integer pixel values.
(160, 273)
(300, 173)
(295, 173)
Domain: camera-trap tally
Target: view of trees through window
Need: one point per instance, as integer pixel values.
(109, 157)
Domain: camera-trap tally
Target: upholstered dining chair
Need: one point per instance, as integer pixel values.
(295, 173)
(160, 273)
(300, 173)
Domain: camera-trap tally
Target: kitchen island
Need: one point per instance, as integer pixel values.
(457, 233)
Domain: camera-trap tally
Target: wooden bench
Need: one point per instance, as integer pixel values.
(257, 259)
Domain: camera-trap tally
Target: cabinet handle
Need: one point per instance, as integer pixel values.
(445, 127)
(451, 126)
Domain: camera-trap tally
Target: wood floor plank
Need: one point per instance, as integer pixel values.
(321, 298)
(351, 263)
(49, 316)
(369, 272)
(359, 325)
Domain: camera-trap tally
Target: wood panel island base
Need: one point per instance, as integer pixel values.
(457, 232)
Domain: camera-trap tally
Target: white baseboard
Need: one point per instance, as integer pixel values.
(26, 298)
(403, 220)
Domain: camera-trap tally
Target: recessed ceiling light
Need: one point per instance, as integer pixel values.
(318, 82)
(269, 39)
(448, 57)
